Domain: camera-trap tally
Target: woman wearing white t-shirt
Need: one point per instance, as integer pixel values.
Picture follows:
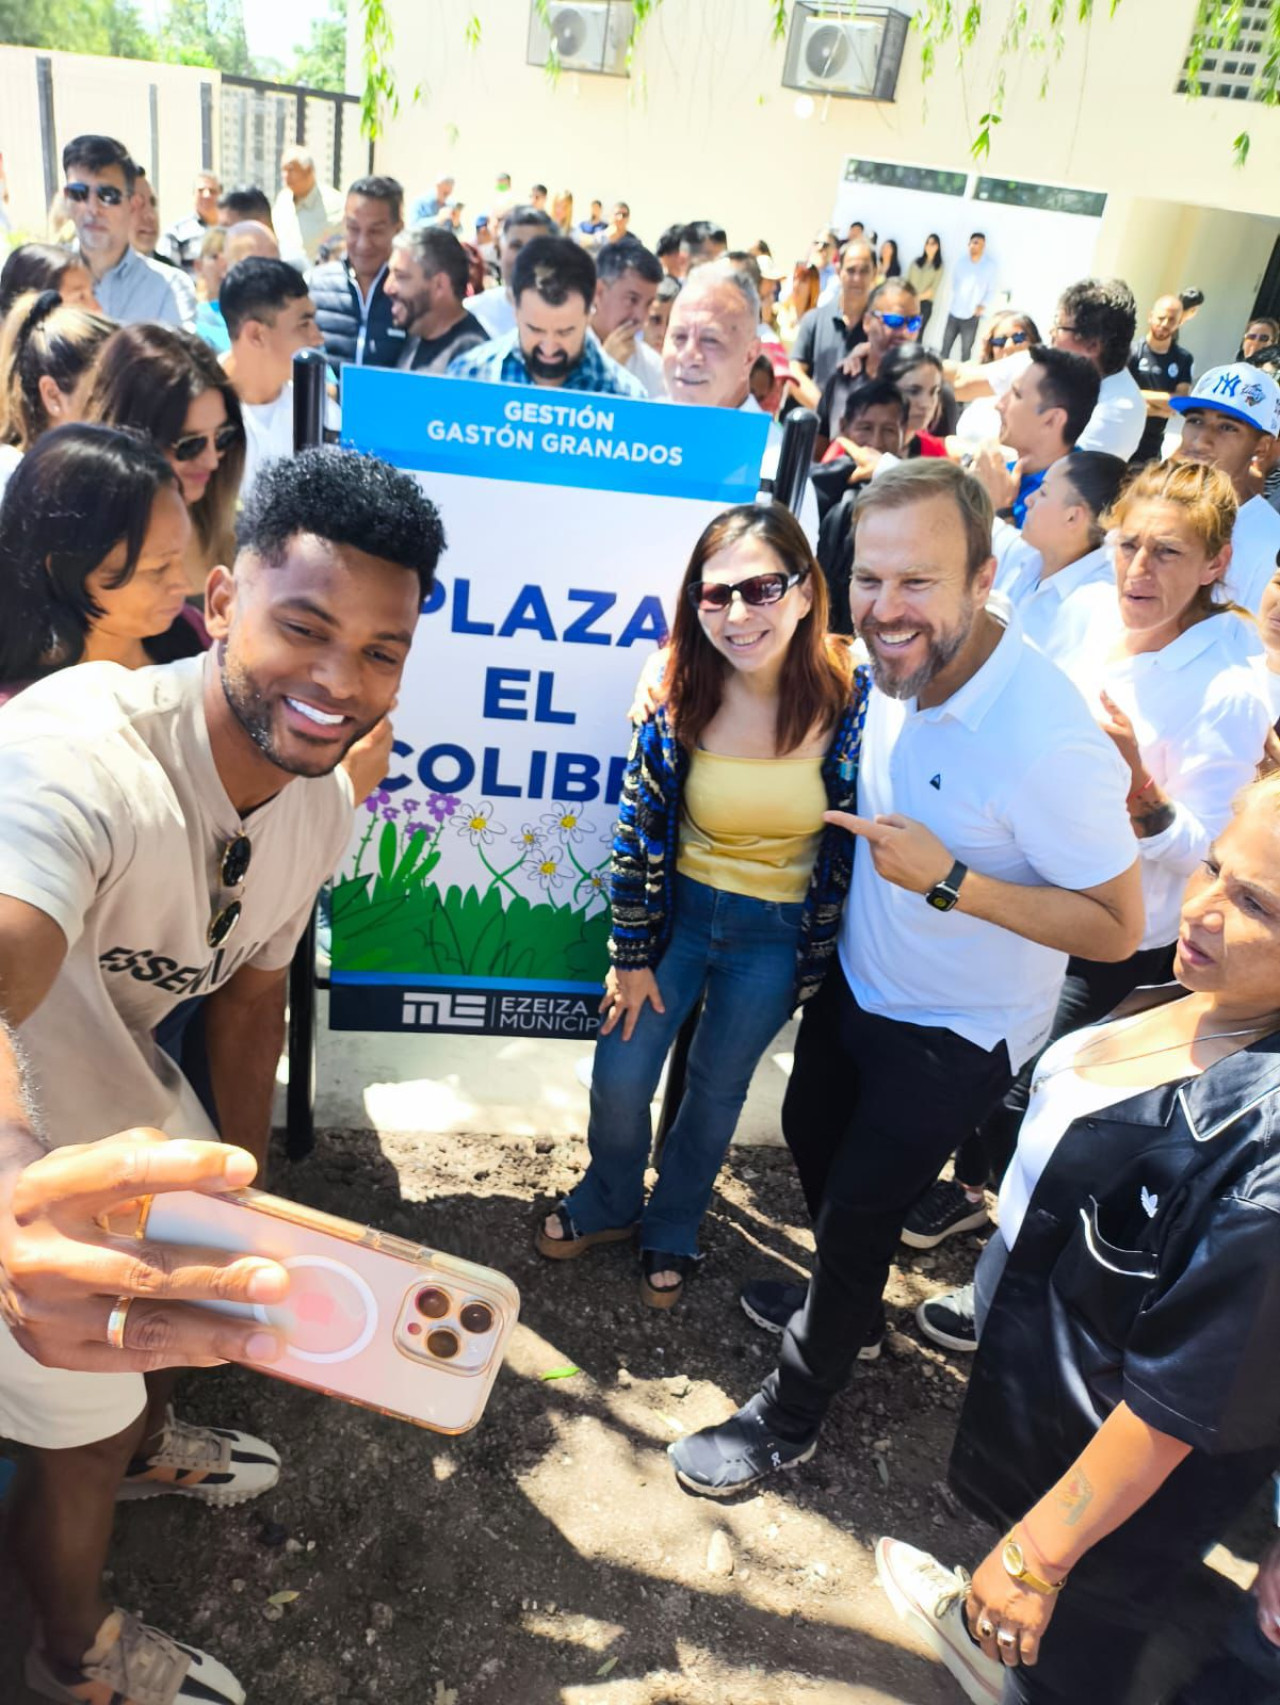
(1168, 672)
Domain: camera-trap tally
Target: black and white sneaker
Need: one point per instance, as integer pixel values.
(719, 1461)
(770, 1303)
(943, 1210)
(949, 1320)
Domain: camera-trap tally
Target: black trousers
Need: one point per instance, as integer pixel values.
(1090, 992)
(965, 330)
(873, 1108)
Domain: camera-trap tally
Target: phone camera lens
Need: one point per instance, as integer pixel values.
(443, 1343)
(476, 1317)
(433, 1303)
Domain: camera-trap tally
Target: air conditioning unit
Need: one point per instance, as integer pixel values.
(581, 35)
(846, 49)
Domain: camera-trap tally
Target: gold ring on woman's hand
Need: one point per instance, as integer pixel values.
(115, 1322)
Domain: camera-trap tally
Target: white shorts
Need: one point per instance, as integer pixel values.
(58, 1409)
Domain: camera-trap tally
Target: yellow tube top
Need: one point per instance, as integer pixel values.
(752, 825)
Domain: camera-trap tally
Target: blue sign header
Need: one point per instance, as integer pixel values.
(548, 436)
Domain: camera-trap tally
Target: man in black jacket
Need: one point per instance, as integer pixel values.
(353, 309)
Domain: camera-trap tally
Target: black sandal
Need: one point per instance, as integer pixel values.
(662, 1261)
(573, 1242)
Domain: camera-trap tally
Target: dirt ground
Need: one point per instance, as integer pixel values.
(550, 1558)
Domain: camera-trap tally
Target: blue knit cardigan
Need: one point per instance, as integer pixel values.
(643, 873)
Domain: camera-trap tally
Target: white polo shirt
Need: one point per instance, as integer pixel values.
(1020, 783)
(1255, 542)
(1119, 420)
(1200, 714)
(1052, 615)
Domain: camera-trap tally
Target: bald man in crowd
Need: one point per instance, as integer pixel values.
(711, 346)
(1163, 369)
(306, 213)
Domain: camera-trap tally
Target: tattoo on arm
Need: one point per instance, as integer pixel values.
(1073, 1497)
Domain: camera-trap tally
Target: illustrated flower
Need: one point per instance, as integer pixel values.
(416, 828)
(442, 805)
(376, 800)
(566, 820)
(529, 838)
(595, 881)
(548, 872)
(410, 804)
(476, 822)
(391, 813)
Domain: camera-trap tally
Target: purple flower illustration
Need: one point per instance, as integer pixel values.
(378, 798)
(442, 805)
(415, 828)
(410, 804)
(391, 813)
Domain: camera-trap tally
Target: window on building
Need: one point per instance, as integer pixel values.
(1231, 65)
(903, 177)
(1048, 198)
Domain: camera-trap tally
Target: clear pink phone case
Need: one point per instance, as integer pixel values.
(369, 1317)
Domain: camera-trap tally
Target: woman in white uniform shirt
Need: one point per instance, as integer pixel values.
(1169, 675)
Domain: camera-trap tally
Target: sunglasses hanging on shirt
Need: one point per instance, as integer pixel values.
(233, 867)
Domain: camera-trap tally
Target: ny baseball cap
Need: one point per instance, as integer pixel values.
(1243, 392)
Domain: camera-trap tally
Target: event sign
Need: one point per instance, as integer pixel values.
(473, 897)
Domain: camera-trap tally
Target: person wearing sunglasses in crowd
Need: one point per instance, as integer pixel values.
(726, 884)
(1008, 333)
(892, 317)
(168, 384)
(165, 833)
(47, 351)
(99, 191)
(93, 541)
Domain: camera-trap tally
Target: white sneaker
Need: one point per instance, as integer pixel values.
(931, 1599)
(214, 1465)
(130, 1663)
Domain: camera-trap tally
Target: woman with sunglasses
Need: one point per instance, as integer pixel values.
(47, 351)
(167, 384)
(727, 886)
(926, 273)
(1008, 333)
(93, 540)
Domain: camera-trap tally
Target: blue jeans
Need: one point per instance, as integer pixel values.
(742, 953)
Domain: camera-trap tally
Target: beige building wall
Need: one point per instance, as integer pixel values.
(703, 128)
(107, 95)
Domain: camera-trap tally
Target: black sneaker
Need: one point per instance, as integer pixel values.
(772, 1302)
(940, 1213)
(948, 1320)
(719, 1461)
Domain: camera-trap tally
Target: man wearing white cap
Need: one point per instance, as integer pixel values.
(1229, 414)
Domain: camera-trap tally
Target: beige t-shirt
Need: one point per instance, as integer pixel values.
(114, 824)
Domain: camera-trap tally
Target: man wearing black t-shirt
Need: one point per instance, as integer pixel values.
(426, 282)
(830, 332)
(1162, 368)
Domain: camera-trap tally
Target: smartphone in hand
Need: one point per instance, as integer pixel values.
(369, 1317)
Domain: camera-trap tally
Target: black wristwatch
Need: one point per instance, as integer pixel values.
(943, 895)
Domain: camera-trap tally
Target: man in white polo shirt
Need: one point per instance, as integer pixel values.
(1231, 414)
(994, 843)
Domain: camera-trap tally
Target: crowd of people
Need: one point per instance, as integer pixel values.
(968, 760)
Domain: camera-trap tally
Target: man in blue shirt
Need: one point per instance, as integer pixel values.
(554, 286)
(99, 181)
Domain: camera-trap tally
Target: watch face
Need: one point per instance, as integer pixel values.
(941, 899)
(1014, 1561)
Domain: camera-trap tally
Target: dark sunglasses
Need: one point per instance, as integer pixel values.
(759, 589)
(232, 870)
(895, 322)
(107, 194)
(193, 445)
(1010, 337)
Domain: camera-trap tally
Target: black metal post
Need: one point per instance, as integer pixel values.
(300, 1124)
(789, 481)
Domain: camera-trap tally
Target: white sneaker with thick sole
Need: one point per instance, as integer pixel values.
(214, 1465)
(931, 1599)
(130, 1663)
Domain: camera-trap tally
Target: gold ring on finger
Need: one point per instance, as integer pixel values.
(115, 1322)
(986, 1628)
